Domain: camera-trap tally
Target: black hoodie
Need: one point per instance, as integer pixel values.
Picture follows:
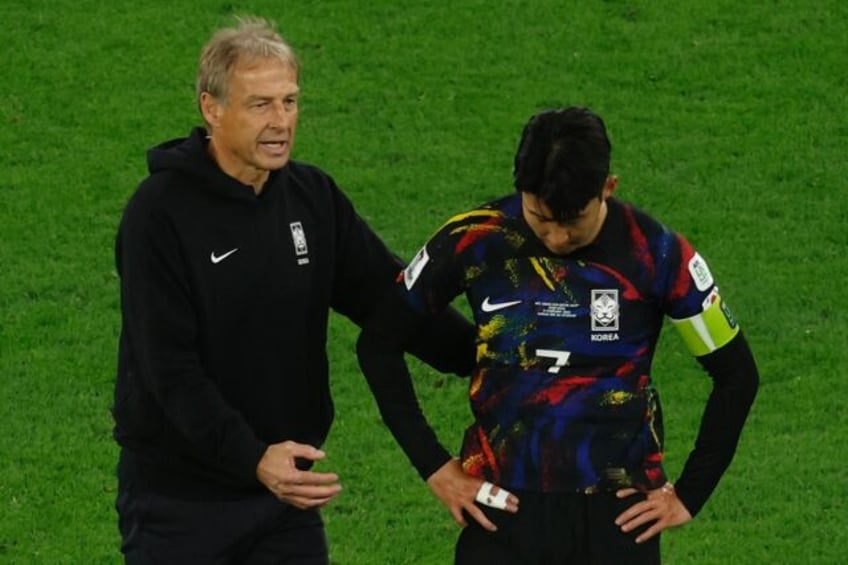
(225, 298)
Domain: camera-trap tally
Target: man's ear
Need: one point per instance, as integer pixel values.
(211, 109)
(609, 186)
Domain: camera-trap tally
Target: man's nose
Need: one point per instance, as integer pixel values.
(559, 237)
(282, 116)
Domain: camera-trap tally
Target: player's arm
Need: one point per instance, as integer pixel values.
(405, 315)
(714, 337)
(390, 331)
(735, 382)
(446, 343)
(720, 347)
(380, 348)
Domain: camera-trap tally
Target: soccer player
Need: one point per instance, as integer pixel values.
(231, 256)
(569, 287)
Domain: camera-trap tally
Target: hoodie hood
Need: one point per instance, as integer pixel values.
(190, 156)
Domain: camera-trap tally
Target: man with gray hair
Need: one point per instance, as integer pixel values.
(230, 257)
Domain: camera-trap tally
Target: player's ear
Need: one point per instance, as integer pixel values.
(609, 186)
(210, 107)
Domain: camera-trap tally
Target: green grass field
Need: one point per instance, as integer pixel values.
(728, 122)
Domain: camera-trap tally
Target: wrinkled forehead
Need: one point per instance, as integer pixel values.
(247, 64)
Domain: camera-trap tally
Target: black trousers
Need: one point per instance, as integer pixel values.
(255, 530)
(560, 528)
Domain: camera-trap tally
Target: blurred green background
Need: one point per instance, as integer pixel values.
(728, 122)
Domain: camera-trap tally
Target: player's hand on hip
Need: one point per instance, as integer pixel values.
(458, 491)
(278, 471)
(662, 508)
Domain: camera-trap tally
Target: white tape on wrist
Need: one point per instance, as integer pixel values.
(484, 496)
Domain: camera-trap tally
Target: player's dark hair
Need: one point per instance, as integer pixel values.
(563, 158)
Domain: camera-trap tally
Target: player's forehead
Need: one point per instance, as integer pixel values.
(536, 206)
(540, 210)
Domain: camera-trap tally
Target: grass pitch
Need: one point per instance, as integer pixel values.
(728, 123)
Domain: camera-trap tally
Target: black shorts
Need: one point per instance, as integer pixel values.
(557, 528)
(252, 530)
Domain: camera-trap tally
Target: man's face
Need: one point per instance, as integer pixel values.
(252, 131)
(563, 238)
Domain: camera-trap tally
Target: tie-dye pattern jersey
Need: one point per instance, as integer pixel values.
(562, 396)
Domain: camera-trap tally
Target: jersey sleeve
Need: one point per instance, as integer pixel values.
(694, 304)
(434, 276)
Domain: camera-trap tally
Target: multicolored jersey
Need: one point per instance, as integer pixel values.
(562, 396)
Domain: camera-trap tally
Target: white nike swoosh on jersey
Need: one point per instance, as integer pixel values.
(494, 307)
(217, 259)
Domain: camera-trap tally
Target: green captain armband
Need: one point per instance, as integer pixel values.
(713, 328)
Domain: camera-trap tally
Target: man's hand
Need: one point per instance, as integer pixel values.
(458, 490)
(662, 507)
(303, 489)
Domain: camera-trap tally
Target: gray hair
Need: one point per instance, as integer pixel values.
(252, 38)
